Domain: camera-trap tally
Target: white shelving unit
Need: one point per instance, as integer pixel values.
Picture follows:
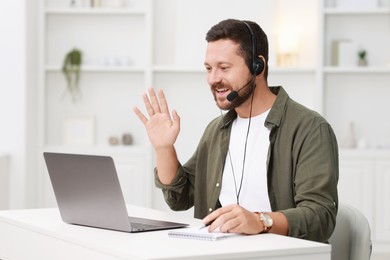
(116, 47)
(354, 88)
(359, 95)
(117, 65)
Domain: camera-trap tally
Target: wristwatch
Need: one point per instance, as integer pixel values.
(266, 220)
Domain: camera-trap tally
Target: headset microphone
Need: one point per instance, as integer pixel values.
(232, 95)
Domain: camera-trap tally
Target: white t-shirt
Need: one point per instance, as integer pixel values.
(254, 191)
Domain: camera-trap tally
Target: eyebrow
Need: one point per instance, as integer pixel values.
(219, 63)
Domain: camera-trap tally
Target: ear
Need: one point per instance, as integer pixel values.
(258, 65)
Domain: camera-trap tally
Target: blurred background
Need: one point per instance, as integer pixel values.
(72, 70)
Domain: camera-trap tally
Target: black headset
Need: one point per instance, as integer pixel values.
(257, 63)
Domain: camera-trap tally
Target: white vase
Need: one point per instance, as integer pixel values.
(362, 62)
(349, 140)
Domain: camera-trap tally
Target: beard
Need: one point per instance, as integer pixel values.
(244, 93)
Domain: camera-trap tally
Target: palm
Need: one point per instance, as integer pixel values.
(162, 129)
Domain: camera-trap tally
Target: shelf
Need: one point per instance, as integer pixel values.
(93, 11)
(292, 70)
(109, 69)
(365, 153)
(357, 70)
(173, 69)
(178, 69)
(342, 11)
(97, 148)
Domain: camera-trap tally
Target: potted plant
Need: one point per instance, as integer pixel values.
(71, 69)
(362, 61)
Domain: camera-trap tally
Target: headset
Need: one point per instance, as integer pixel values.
(257, 63)
(256, 68)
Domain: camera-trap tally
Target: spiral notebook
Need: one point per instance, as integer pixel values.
(199, 233)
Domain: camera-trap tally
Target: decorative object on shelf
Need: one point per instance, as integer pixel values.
(113, 140)
(96, 3)
(127, 139)
(114, 61)
(72, 69)
(343, 53)
(350, 140)
(79, 3)
(362, 54)
(288, 47)
(114, 3)
(362, 143)
(79, 130)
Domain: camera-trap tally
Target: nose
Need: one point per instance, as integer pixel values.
(214, 76)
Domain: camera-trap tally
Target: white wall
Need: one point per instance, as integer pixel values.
(13, 94)
(18, 98)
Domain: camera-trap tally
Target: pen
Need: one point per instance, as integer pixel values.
(206, 225)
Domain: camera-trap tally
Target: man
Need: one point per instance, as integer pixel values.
(267, 165)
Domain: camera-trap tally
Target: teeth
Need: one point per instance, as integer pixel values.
(221, 90)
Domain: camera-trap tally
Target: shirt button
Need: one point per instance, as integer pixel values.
(210, 209)
(217, 185)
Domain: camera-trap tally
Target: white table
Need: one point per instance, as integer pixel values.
(41, 234)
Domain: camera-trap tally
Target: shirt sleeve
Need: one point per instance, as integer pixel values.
(179, 194)
(315, 186)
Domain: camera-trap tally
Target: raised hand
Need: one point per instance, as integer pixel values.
(162, 129)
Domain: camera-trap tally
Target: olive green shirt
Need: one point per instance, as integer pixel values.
(302, 169)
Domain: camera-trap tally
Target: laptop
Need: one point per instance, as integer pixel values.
(88, 193)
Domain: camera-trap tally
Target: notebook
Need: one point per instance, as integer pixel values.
(88, 193)
(199, 233)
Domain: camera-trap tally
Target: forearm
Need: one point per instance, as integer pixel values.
(280, 223)
(167, 164)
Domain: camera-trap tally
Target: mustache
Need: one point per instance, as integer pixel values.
(220, 84)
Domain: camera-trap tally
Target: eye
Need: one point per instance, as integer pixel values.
(208, 69)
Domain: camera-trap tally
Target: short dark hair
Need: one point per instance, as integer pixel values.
(237, 31)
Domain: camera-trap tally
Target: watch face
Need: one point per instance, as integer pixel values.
(267, 220)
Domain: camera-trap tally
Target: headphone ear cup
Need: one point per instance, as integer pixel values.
(258, 66)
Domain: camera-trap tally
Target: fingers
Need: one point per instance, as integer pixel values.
(154, 101)
(218, 218)
(155, 104)
(141, 116)
(218, 212)
(232, 218)
(163, 102)
(148, 105)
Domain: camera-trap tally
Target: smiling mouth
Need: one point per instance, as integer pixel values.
(221, 90)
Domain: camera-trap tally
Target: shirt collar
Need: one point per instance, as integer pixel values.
(275, 114)
(277, 111)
